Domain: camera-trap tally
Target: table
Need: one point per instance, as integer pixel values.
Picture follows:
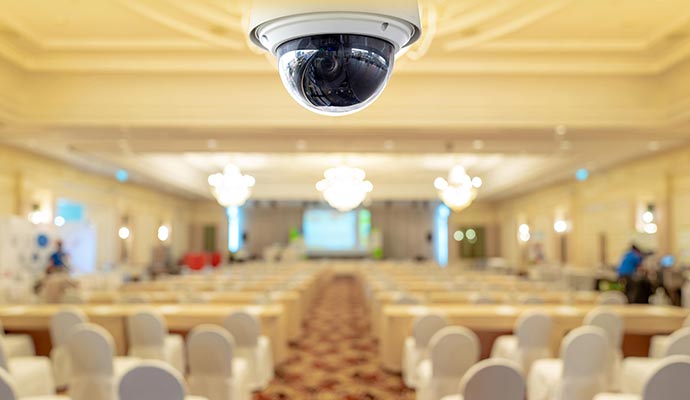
(489, 321)
(180, 318)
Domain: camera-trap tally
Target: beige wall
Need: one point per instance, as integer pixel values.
(26, 179)
(606, 206)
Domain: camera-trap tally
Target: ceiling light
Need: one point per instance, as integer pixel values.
(650, 228)
(212, 144)
(458, 236)
(523, 228)
(59, 221)
(459, 191)
(231, 188)
(301, 145)
(389, 145)
(344, 187)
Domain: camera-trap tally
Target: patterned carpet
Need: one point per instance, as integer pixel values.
(336, 358)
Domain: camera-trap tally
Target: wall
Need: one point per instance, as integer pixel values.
(605, 207)
(27, 179)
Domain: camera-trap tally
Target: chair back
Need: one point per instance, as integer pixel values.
(147, 331)
(152, 380)
(91, 350)
(533, 329)
(493, 379)
(669, 381)
(7, 390)
(613, 297)
(425, 327)
(211, 350)
(679, 343)
(453, 350)
(62, 323)
(610, 321)
(584, 352)
(244, 327)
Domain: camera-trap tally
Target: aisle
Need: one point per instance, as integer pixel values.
(336, 358)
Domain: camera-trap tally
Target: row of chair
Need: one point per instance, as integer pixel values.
(436, 356)
(149, 340)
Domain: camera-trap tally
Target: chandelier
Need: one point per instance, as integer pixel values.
(231, 188)
(344, 188)
(459, 191)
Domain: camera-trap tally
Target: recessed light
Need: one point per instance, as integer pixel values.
(212, 144)
(478, 144)
(301, 145)
(389, 145)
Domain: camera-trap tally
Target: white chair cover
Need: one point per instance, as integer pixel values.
(531, 341)
(214, 371)
(612, 324)
(153, 380)
(8, 391)
(33, 376)
(17, 345)
(480, 382)
(613, 297)
(149, 339)
(659, 344)
(637, 370)
(452, 351)
(61, 324)
(253, 347)
(578, 375)
(668, 380)
(416, 347)
(94, 374)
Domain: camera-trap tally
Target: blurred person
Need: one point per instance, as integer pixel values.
(59, 259)
(629, 265)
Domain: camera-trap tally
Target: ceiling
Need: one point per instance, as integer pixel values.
(522, 92)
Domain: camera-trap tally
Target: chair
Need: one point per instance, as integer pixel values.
(33, 376)
(452, 351)
(416, 347)
(612, 324)
(149, 339)
(9, 392)
(480, 382)
(613, 297)
(531, 341)
(153, 380)
(94, 371)
(214, 371)
(61, 324)
(659, 343)
(636, 370)
(578, 374)
(17, 345)
(251, 346)
(668, 381)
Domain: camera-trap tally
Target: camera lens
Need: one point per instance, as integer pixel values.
(335, 74)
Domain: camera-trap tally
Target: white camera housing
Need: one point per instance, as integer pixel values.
(336, 57)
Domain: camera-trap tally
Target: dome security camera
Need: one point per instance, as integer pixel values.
(334, 57)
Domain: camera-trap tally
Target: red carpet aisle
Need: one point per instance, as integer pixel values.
(336, 357)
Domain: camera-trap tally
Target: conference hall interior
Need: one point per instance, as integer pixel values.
(344, 200)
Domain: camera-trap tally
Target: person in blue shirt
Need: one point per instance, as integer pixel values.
(59, 259)
(630, 262)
